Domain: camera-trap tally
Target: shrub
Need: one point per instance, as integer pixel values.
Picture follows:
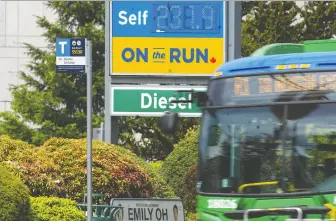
(58, 168)
(161, 189)
(14, 197)
(9, 147)
(179, 163)
(189, 197)
(55, 209)
(191, 217)
(156, 165)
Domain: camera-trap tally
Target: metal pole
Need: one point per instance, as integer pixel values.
(226, 30)
(232, 29)
(102, 131)
(88, 45)
(107, 114)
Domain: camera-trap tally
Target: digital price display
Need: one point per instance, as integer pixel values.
(254, 85)
(186, 17)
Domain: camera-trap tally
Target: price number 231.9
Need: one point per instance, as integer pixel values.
(186, 17)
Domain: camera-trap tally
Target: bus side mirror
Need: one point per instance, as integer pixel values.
(168, 123)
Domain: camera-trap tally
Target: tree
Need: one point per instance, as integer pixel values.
(318, 20)
(270, 22)
(54, 103)
(247, 6)
(154, 144)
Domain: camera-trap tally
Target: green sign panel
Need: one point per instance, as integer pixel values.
(152, 101)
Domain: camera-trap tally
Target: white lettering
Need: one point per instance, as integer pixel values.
(133, 19)
(122, 16)
(172, 105)
(227, 204)
(163, 102)
(334, 200)
(143, 105)
(182, 105)
(189, 98)
(155, 100)
(62, 43)
(144, 17)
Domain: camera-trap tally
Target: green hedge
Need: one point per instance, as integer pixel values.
(9, 147)
(178, 165)
(156, 165)
(189, 197)
(191, 217)
(55, 209)
(58, 168)
(14, 197)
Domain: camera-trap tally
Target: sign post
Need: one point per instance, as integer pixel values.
(88, 45)
(74, 55)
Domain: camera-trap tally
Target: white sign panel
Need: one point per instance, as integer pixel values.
(149, 209)
(71, 61)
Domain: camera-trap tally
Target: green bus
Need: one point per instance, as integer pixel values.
(267, 143)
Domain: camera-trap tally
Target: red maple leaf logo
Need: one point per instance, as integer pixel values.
(213, 60)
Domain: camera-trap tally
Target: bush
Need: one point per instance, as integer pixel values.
(55, 209)
(189, 197)
(9, 147)
(156, 165)
(58, 168)
(191, 217)
(14, 197)
(178, 165)
(161, 189)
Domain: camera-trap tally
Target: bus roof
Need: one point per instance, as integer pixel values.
(279, 48)
(264, 64)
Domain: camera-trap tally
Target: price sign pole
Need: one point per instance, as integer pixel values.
(88, 70)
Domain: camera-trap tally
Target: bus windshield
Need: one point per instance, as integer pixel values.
(270, 148)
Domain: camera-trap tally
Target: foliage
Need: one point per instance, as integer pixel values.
(55, 209)
(55, 103)
(58, 168)
(263, 25)
(179, 163)
(191, 217)
(156, 165)
(318, 20)
(11, 124)
(190, 185)
(247, 6)
(14, 200)
(10, 147)
(154, 144)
